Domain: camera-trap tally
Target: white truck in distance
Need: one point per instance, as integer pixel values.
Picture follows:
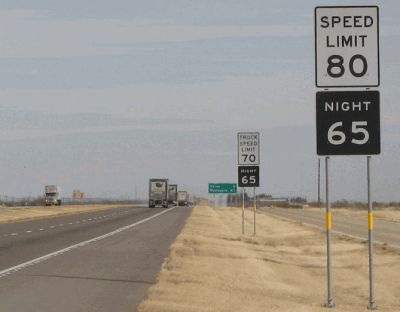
(52, 195)
(172, 194)
(158, 193)
(183, 198)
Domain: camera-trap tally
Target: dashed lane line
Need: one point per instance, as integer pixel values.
(21, 266)
(70, 223)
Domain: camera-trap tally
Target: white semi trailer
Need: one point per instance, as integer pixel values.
(158, 193)
(172, 194)
(52, 195)
(183, 198)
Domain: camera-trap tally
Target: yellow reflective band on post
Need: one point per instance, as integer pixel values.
(370, 221)
(329, 220)
(254, 207)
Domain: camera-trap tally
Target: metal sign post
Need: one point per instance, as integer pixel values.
(371, 305)
(243, 210)
(254, 208)
(330, 303)
(319, 181)
(347, 122)
(248, 166)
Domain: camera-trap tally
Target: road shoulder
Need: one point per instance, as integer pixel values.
(212, 267)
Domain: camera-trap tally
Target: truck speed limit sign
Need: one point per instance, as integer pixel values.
(248, 148)
(347, 46)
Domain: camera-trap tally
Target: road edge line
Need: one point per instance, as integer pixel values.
(322, 228)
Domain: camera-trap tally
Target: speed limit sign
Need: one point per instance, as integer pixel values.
(248, 148)
(348, 123)
(347, 46)
(248, 176)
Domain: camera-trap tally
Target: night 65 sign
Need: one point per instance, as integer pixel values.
(249, 176)
(347, 46)
(248, 148)
(348, 123)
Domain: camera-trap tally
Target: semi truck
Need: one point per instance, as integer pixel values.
(183, 198)
(173, 194)
(158, 193)
(52, 195)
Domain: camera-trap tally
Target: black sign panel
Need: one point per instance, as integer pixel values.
(249, 176)
(348, 123)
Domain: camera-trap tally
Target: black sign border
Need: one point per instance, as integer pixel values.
(315, 44)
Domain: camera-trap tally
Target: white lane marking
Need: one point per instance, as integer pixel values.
(29, 231)
(89, 219)
(41, 229)
(81, 244)
(61, 224)
(13, 234)
(70, 223)
(52, 226)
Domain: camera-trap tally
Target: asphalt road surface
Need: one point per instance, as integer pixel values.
(385, 232)
(98, 261)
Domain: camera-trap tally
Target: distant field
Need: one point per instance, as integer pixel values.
(8, 215)
(212, 267)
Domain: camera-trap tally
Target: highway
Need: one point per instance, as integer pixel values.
(385, 232)
(97, 261)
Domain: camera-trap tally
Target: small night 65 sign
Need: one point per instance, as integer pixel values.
(347, 46)
(248, 148)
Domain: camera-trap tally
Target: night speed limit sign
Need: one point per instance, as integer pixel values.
(248, 148)
(348, 123)
(248, 176)
(347, 46)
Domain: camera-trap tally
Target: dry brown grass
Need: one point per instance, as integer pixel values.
(212, 267)
(8, 215)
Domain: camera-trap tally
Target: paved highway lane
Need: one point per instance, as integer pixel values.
(384, 231)
(114, 258)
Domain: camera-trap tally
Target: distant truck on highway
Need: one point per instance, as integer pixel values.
(172, 194)
(52, 195)
(183, 198)
(158, 193)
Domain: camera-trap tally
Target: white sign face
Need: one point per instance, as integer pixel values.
(347, 46)
(248, 148)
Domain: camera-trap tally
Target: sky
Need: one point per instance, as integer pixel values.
(103, 95)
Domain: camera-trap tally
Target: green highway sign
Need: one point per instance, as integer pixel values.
(222, 188)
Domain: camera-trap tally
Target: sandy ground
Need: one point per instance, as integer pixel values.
(389, 214)
(8, 215)
(212, 267)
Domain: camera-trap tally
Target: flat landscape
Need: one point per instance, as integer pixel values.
(213, 267)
